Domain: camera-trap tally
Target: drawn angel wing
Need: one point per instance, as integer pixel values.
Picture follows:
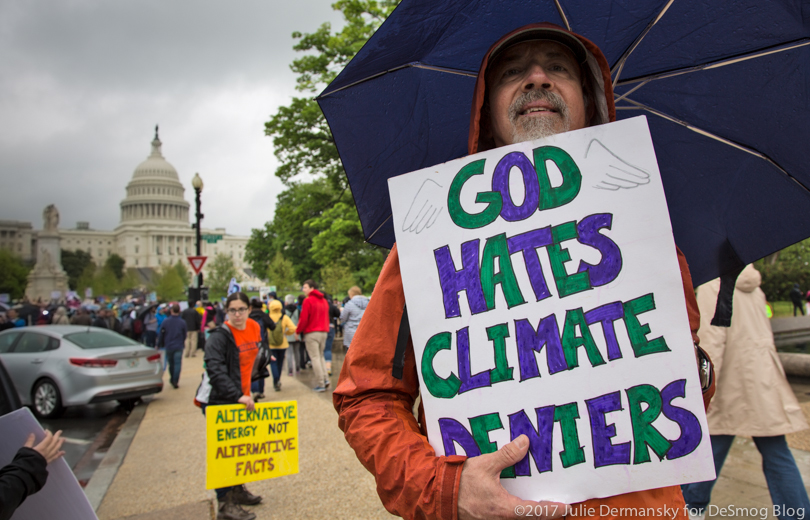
(426, 207)
(615, 173)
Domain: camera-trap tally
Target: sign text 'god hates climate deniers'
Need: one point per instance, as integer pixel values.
(545, 298)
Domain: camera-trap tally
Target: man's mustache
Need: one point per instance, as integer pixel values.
(554, 99)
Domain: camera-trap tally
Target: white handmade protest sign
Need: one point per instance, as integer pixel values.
(545, 298)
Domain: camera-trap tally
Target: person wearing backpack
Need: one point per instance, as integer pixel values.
(278, 340)
(266, 325)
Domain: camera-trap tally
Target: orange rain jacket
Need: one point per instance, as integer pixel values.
(375, 408)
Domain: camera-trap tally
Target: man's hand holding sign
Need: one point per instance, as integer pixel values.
(547, 306)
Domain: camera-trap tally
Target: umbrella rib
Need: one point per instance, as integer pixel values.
(562, 15)
(616, 100)
(378, 228)
(616, 70)
(413, 64)
(641, 106)
(717, 64)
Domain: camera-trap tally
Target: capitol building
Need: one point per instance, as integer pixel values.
(154, 229)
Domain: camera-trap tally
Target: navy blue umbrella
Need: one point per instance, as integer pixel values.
(725, 85)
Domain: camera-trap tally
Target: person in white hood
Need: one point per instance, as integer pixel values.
(753, 396)
(351, 314)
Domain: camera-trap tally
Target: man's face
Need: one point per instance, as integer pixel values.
(535, 90)
(306, 289)
(12, 314)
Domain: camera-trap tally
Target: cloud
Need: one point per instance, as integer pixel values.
(82, 84)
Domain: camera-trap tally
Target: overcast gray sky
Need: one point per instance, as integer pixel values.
(83, 83)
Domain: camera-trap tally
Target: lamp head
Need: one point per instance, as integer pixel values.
(197, 182)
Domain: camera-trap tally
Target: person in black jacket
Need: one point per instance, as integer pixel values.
(264, 321)
(27, 473)
(193, 321)
(239, 337)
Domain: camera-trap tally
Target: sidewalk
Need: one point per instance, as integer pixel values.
(162, 475)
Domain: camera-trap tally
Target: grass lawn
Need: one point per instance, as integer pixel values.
(782, 309)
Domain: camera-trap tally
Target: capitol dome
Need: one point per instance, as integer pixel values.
(155, 192)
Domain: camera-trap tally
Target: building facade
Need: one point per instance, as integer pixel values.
(154, 228)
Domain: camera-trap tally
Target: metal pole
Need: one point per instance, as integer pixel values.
(199, 216)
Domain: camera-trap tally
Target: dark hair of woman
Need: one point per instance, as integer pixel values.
(239, 295)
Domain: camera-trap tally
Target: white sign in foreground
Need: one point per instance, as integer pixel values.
(62, 497)
(545, 298)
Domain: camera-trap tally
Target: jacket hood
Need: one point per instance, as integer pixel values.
(596, 76)
(316, 293)
(275, 310)
(749, 279)
(360, 301)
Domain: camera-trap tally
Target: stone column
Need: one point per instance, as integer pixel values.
(48, 277)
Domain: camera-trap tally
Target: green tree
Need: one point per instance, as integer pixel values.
(105, 282)
(336, 279)
(74, 263)
(340, 241)
(280, 273)
(169, 286)
(131, 281)
(115, 264)
(316, 222)
(301, 137)
(13, 274)
(86, 279)
(220, 272)
(784, 268)
(183, 272)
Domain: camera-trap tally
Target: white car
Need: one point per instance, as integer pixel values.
(54, 366)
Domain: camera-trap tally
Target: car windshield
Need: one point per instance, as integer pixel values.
(99, 339)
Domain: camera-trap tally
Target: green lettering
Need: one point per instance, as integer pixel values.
(491, 198)
(644, 433)
(558, 256)
(481, 426)
(502, 370)
(638, 332)
(437, 386)
(496, 247)
(571, 341)
(572, 177)
(572, 453)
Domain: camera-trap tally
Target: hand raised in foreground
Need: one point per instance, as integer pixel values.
(248, 402)
(481, 495)
(50, 447)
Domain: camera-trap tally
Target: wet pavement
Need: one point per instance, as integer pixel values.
(88, 432)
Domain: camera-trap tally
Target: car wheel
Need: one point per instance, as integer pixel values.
(47, 400)
(129, 404)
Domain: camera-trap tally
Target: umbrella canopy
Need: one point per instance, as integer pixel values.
(724, 84)
(141, 313)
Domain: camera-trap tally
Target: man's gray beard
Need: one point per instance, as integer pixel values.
(531, 128)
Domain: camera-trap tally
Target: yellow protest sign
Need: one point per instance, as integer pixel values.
(244, 446)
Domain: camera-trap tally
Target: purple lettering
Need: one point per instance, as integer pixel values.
(607, 314)
(528, 243)
(466, 279)
(500, 182)
(529, 342)
(588, 233)
(605, 453)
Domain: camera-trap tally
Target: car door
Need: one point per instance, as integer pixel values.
(26, 358)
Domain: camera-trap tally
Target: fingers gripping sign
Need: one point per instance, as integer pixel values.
(481, 495)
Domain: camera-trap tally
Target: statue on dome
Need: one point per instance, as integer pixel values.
(50, 218)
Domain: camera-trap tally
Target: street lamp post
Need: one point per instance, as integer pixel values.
(197, 184)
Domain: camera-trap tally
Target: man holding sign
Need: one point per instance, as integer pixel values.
(536, 82)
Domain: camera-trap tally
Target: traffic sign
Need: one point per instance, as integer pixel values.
(197, 263)
(212, 239)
